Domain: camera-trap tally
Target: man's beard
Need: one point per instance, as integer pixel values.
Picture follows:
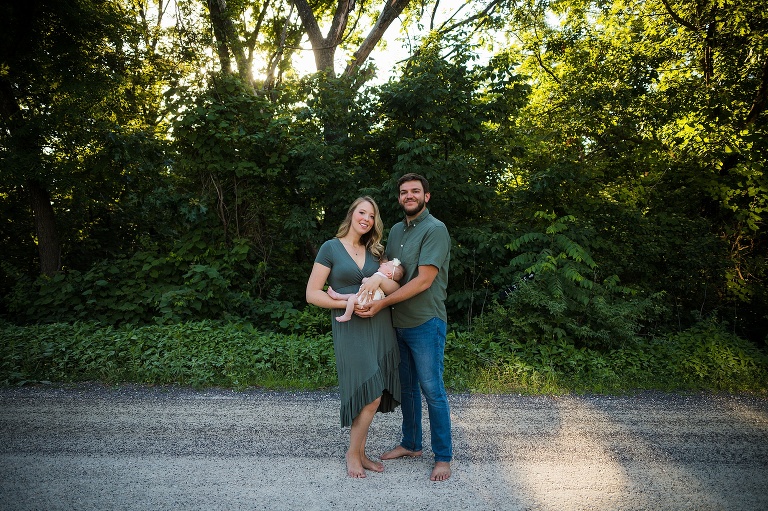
(412, 209)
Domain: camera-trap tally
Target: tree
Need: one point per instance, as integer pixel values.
(50, 85)
(636, 131)
(83, 121)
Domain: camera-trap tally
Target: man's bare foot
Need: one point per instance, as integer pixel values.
(355, 467)
(441, 472)
(369, 464)
(400, 452)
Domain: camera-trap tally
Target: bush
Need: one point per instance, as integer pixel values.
(705, 356)
(193, 281)
(560, 297)
(237, 355)
(198, 354)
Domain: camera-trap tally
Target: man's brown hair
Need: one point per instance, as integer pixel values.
(414, 177)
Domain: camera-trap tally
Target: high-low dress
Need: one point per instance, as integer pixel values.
(366, 349)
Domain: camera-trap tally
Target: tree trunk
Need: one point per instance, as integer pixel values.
(324, 48)
(228, 41)
(45, 227)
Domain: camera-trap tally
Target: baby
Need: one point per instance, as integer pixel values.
(389, 269)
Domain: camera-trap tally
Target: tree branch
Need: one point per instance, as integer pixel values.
(390, 11)
(678, 18)
(546, 68)
(339, 23)
(270, 78)
(758, 104)
(466, 21)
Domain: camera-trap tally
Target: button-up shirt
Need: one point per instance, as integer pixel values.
(422, 242)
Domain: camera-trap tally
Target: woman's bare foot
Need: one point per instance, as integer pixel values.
(441, 472)
(400, 452)
(369, 464)
(355, 467)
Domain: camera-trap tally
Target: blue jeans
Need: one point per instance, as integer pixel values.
(422, 349)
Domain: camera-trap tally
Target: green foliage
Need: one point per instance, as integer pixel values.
(564, 301)
(639, 126)
(198, 354)
(238, 355)
(705, 357)
(196, 280)
(437, 115)
(628, 129)
(455, 123)
(81, 122)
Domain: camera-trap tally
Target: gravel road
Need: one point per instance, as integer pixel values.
(112, 448)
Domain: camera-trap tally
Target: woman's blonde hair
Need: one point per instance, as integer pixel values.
(372, 238)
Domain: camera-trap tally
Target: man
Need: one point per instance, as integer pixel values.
(421, 242)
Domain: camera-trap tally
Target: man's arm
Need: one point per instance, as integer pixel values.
(418, 284)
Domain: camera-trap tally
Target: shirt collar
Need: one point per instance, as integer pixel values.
(422, 216)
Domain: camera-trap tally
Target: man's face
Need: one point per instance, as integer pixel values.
(412, 198)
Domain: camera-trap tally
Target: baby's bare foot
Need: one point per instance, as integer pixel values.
(334, 294)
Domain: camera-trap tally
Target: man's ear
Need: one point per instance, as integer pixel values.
(426, 197)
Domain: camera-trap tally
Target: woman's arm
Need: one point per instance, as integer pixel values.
(376, 281)
(315, 293)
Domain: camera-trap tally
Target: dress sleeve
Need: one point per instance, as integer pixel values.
(325, 255)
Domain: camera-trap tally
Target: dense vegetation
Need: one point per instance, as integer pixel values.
(167, 176)
(237, 355)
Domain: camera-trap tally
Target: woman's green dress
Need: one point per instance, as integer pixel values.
(366, 349)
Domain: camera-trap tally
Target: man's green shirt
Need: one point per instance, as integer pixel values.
(424, 241)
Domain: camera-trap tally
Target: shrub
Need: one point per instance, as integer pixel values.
(559, 298)
(146, 287)
(199, 354)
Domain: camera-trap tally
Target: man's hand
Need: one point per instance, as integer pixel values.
(370, 309)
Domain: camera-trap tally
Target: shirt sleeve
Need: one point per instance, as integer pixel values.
(435, 246)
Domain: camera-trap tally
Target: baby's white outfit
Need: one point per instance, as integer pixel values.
(378, 295)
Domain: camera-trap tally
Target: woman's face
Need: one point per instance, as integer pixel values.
(363, 218)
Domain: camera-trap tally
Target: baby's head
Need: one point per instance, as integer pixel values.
(392, 269)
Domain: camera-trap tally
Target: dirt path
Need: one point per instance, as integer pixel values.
(91, 447)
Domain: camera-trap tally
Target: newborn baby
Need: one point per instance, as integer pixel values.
(388, 269)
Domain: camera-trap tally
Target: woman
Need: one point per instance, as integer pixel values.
(366, 350)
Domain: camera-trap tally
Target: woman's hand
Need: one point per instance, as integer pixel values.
(369, 287)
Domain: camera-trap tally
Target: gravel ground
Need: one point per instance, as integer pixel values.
(113, 448)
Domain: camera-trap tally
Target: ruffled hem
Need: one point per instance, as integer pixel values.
(385, 383)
